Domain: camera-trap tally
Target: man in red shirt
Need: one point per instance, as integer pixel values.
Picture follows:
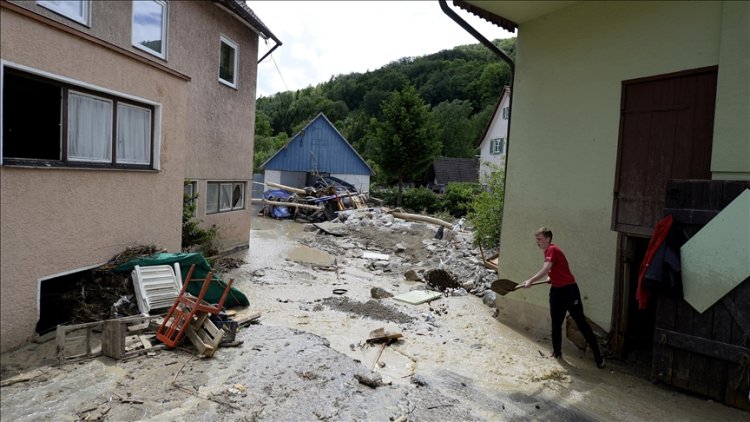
(564, 295)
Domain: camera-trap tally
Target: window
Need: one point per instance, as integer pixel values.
(150, 27)
(225, 196)
(190, 194)
(77, 10)
(228, 62)
(506, 113)
(52, 123)
(497, 146)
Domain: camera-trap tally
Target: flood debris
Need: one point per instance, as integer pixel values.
(318, 203)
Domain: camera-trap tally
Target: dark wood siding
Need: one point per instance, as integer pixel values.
(706, 353)
(666, 129)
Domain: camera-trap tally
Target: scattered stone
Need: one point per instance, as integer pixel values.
(419, 380)
(489, 297)
(380, 293)
(411, 275)
(372, 379)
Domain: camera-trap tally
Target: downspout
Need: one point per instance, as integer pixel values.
(278, 44)
(504, 57)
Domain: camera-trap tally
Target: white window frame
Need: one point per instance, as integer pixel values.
(216, 208)
(164, 30)
(84, 18)
(223, 39)
(73, 84)
(506, 112)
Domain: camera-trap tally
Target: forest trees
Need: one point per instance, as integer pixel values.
(459, 86)
(406, 141)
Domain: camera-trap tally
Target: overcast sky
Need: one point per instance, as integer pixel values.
(326, 38)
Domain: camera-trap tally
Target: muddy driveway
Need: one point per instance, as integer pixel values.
(308, 359)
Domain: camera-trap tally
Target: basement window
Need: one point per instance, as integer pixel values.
(55, 124)
(225, 197)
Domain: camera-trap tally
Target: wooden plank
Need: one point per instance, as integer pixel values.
(735, 397)
(718, 369)
(246, 320)
(702, 324)
(663, 359)
(702, 346)
(681, 357)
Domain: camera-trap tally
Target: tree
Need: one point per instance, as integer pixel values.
(406, 142)
(455, 129)
(486, 211)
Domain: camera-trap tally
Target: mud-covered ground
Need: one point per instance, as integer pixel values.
(308, 358)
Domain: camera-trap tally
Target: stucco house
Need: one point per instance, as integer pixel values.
(492, 146)
(317, 149)
(613, 102)
(108, 108)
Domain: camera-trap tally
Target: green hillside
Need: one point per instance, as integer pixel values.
(460, 87)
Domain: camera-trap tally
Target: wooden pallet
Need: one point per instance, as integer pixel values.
(79, 341)
(128, 337)
(204, 335)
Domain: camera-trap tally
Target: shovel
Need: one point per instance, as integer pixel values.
(504, 286)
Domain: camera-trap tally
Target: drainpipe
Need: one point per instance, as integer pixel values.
(504, 57)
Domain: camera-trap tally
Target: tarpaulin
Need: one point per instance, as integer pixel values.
(202, 268)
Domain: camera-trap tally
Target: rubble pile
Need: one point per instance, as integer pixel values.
(317, 203)
(450, 264)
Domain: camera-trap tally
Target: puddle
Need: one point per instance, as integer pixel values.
(310, 256)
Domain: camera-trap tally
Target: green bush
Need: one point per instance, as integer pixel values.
(458, 197)
(486, 212)
(195, 237)
(421, 200)
(415, 200)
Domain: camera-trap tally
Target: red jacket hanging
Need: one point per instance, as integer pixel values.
(642, 294)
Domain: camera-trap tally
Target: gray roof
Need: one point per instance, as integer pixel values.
(245, 13)
(456, 170)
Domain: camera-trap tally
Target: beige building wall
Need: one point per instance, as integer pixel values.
(57, 220)
(223, 123)
(566, 114)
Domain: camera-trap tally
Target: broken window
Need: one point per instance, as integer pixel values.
(225, 196)
(51, 123)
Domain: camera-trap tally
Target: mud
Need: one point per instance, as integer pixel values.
(308, 358)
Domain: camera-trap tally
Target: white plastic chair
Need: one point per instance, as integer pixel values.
(156, 286)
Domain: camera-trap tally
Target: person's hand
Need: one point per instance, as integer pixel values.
(527, 284)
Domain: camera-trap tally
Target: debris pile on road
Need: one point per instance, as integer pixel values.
(320, 202)
(396, 242)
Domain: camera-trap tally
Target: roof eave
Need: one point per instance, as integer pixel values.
(240, 10)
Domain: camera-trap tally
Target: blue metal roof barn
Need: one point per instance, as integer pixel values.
(318, 148)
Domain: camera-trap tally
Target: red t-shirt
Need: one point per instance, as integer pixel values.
(560, 274)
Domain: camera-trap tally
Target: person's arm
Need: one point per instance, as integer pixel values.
(542, 273)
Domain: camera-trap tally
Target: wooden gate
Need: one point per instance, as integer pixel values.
(706, 353)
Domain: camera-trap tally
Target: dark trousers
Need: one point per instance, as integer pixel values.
(561, 301)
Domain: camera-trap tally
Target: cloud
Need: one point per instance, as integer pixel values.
(326, 38)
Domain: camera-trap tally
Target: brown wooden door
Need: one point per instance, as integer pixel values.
(666, 131)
